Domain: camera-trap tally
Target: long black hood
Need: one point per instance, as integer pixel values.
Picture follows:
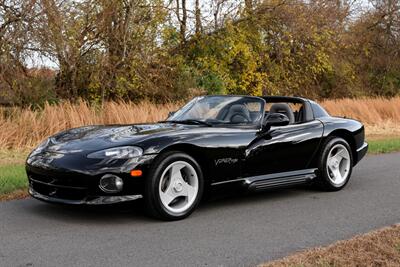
(92, 138)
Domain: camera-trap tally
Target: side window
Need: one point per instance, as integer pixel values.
(294, 111)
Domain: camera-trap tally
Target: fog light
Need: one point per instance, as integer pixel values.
(110, 183)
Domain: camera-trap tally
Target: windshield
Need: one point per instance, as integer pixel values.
(238, 110)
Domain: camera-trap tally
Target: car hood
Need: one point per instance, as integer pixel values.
(93, 138)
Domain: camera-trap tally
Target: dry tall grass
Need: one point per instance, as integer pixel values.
(380, 115)
(26, 128)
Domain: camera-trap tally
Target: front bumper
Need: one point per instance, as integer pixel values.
(97, 200)
(361, 152)
(73, 179)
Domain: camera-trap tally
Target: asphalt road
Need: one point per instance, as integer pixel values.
(234, 231)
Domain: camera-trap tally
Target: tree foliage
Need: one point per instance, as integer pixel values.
(168, 50)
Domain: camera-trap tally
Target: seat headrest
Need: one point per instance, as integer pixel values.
(284, 109)
(236, 111)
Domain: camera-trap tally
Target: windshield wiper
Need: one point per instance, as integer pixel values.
(188, 122)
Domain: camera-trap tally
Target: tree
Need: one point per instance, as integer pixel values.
(16, 19)
(181, 15)
(199, 27)
(375, 44)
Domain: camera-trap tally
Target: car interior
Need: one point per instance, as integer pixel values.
(249, 112)
(294, 111)
(241, 112)
(238, 113)
(293, 107)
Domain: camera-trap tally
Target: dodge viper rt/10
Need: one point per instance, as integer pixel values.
(254, 143)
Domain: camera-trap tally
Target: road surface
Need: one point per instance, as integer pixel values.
(234, 231)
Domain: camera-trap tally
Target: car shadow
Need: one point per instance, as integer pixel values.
(104, 214)
(135, 211)
(245, 198)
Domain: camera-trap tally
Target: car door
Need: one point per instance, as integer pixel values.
(223, 151)
(283, 149)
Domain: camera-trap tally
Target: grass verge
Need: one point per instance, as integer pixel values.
(377, 248)
(12, 178)
(384, 145)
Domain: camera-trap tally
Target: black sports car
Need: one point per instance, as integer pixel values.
(255, 143)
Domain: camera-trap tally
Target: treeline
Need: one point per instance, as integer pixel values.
(169, 49)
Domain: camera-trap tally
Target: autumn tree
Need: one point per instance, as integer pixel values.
(165, 49)
(16, 48)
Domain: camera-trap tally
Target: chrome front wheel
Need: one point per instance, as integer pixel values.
(178, 187)
(174, 186)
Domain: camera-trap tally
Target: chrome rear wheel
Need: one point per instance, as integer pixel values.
(335, 164)
(338, 164)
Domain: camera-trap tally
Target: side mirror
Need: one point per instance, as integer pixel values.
(275, 119)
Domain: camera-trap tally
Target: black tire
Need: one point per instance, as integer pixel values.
(154, 205)
(324, 182)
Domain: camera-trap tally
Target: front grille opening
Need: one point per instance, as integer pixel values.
(57, 180)
(58, 192)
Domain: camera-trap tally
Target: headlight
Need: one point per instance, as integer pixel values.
(124, 152)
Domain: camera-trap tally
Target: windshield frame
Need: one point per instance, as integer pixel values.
(193, 101)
